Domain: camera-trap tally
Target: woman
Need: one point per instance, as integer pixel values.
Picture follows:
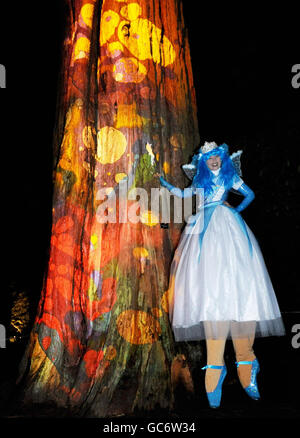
(218, 277)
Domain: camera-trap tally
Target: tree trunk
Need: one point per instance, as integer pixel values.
(102, 343)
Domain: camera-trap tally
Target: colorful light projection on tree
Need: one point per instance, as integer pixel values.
(127, 103)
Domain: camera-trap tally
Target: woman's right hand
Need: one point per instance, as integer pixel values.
(161, 178)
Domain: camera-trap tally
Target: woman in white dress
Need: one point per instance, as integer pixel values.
(220, 285)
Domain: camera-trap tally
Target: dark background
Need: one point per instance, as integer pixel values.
(242, 61)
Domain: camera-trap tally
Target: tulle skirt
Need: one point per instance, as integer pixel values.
(220, 286)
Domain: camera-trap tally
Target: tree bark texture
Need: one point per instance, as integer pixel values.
(102, 342)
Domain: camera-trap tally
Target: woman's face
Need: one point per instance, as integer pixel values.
(214, 162)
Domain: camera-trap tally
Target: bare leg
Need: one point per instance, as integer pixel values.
(215, 356)
(243, 338)
(216, 333)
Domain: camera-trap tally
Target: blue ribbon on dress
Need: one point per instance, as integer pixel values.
(208, 212)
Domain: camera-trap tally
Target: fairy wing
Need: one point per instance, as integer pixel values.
(189, 170)
(236, 161)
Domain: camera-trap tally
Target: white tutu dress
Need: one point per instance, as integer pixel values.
(220, 284)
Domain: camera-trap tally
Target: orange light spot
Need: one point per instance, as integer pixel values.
(166, 167)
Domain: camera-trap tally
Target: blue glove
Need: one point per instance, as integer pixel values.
(165, 183)
(249, 196)
(175, 190)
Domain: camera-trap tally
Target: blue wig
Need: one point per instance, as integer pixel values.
(204, 176)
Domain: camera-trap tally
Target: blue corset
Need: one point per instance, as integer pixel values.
(210, 205)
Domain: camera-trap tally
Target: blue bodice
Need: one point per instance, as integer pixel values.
(219, 192)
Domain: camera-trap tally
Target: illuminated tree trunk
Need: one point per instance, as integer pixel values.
(102, 342)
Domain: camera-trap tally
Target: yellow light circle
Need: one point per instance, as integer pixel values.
(149, 218)
(146, 41)
(131, 11)
(87, 14)
(82, 48)
(94, 239)
(120, 176)
(139, 252)
(111, 145)
(109, 22)
(114, 47)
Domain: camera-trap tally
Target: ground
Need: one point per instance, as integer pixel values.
(278, 382)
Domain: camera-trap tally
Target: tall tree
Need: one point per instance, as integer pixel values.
(101, 341)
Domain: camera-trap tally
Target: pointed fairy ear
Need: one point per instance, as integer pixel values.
(190, 170)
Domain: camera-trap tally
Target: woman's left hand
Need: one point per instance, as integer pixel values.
(227, 205)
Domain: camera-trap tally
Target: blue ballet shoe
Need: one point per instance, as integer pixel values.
(252, 389)
(214, 397)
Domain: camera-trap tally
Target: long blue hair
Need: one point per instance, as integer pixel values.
(204, 176)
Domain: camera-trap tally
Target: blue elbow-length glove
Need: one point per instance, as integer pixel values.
(249, 196)
(175, 190)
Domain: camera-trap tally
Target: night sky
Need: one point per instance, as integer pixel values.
(242, 72)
